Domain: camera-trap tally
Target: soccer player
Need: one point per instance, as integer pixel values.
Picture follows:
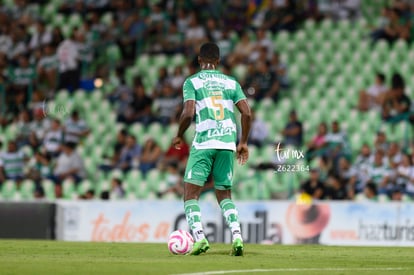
(211, 95)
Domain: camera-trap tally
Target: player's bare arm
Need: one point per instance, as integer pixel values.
(186, 118)
(246, 121)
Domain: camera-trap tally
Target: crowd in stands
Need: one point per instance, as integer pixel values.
(39, 57)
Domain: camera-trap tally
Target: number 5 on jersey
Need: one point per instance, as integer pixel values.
(216, 101)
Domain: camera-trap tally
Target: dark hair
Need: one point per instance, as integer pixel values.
(371, 186)
(397, 81)
(381, 77)
(210, 52)
(118, 181)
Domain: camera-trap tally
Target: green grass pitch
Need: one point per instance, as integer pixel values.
(52, 257)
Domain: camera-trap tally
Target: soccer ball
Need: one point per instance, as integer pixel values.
(180, 242)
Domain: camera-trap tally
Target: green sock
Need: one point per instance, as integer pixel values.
(231, 216)
(193, 216)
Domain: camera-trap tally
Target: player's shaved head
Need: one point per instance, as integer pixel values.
(209, 52)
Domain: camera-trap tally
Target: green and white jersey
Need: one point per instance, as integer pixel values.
(215, 95)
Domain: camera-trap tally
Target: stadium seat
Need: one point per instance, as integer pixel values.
(75, 20)
(68, 188)
(8, 189)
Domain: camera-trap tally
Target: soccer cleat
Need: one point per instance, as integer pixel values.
(200, 247)
(237, 248)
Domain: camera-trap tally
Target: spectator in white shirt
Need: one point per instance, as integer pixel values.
(68, 56)
(373, 97)
(69, 164)
(41, 36)
(75, 128)
(53, 139)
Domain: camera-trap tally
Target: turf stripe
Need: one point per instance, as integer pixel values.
(297, 270)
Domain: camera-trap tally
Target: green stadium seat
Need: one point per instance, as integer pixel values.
(107, 18)
(160, 60)
(68, 188)
(75, 20)
(143, 190)
(26, 189)
(133, 179)
(84, 186)
(281, 40)
(8, 189)
(177, 60)
(116, 173)
(49, 189)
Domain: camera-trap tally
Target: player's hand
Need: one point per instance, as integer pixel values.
(242, 153)
(178, 142)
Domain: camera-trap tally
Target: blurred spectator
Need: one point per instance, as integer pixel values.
(168, 105)
(123, 97)
(69, 165)
(293, 131)
(174, 182)
(142, 106)
(225, 44)
(134, 28)
(394, 155)
(89, 195)
(177, 79)
(395, 27)
(41, 37)
(53, 139)
(336, 142)
(397, 194)
(150, 155)
(69, 68)
(280, 70)
(162, 80)
(381, 142)
(41, 167)
(214, 33)
(242, 50)
(362, 164)
(379, 173)
(75, 128)
(397, 104)
(130, 154)
(117, 191)
(404, 172)
(336, 189)
(23, 76)
(313, 186)
(172, 42)
(156, 22)
(12, 163)
(258, 132)
(318, 142)
(346, 173)
(373, 97)
(47, 69)
(336, 137)
(369, 194)
(112, 161)
(282, 17)
(195, 34)
(23, 128)
(236, 18)
(174, 155)
(261, 82)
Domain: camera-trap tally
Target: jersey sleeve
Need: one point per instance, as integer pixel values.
(188, 91)
(238, 94)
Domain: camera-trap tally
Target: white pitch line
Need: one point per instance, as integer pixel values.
(296, 270)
